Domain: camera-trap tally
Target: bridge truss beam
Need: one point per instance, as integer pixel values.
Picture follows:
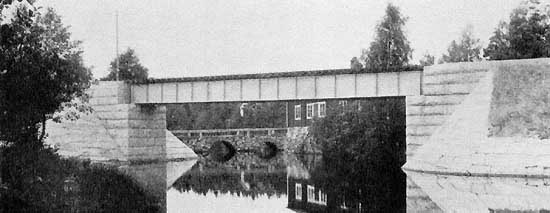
(357, 85)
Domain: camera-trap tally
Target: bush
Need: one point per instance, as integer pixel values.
(362, 154)
(36, 179)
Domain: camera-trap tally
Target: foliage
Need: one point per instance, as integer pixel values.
(38, 180)
(390, 46)
(40, 68)
(525, 36)
(520, 102)
(355, 64)
(360, 147)
(129, 68)
(226, 115)
(466, 49)
(225, 178)
(73, 110)
(427, 60)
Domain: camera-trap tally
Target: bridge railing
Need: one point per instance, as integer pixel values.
(232, 132)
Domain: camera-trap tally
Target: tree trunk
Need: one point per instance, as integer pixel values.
(43, 128)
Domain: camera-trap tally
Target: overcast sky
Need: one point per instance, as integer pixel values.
(177, 38)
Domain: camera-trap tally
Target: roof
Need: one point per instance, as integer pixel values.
(278, 75)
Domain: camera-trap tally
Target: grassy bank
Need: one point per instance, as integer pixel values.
(520, 104)
(36, 179)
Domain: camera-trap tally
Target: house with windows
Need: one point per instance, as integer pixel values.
(304, 112)
(303, 195)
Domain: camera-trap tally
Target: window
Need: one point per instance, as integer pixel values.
(322, 198)
(322, 109)
(343, 206)
(298, 191)
(298, 112)
(343, 103)
(309, 109)
(310, 194)
(316, 109)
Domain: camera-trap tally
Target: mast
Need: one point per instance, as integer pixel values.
(117, 58)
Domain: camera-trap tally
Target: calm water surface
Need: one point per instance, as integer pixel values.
(284, 183)
(304, 183)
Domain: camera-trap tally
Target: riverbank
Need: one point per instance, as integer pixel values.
(37, 179)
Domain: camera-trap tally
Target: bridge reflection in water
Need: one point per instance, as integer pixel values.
(249, 183)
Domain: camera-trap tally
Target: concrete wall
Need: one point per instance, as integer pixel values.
(117, 130)
(449, 193)
(444, 87)
(448, 128)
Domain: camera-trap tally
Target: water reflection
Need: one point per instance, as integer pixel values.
(308, 183)
(157, 178)
(341, 186)
(250, 183)
(484, 194)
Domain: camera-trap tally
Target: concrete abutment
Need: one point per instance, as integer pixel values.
(123, 131)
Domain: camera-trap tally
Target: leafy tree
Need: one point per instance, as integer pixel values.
(499, 44)
(390, 46)
(525, 36)
(226, 115)
(362, 150)
(40, 68)
(129, 66)
(427, 60)
(466, 49)
(355, 64)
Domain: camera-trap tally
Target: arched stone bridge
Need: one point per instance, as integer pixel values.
(248, 139)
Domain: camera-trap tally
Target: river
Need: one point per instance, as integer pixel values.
(306, 183)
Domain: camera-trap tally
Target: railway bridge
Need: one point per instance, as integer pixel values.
(452, 113)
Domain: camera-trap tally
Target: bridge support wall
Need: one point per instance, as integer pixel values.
(141, 130)
(481, 119)
(118, 129)
(444, 88)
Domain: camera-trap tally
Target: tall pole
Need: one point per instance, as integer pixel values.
(117, 60)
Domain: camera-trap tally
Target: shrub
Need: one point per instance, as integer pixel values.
(36, 179)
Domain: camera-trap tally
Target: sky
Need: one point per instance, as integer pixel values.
(183, 38)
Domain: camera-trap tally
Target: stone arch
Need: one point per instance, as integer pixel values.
(268, 150)
(221, 150)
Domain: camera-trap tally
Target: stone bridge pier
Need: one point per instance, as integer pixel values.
(117, 129)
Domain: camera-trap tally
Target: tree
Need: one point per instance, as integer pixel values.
(499, 44)
(360, 148)
(466, 49)
(40, 68)
(129, 66)
(390, 46)
(427, 60)
(525, 36)
(355, 64)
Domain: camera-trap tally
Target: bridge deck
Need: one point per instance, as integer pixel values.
(266, 87)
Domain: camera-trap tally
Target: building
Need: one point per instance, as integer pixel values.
(304, 112)
(303, 195)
